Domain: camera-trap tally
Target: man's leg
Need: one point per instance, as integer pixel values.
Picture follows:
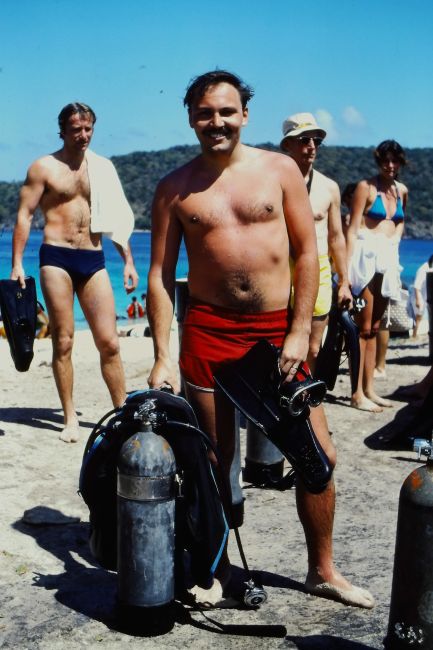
(97, 302)
(318, 325)
(316, 513)
(216, 417)
(59, 297)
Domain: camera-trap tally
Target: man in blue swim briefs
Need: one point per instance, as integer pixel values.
(240, 211)
(81, 198)
(301, 139)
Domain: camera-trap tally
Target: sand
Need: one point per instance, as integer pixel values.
(55, 596)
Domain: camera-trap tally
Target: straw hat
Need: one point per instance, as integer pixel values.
(301, 123)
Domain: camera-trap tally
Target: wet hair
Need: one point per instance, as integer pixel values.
(347, 194)
(73, 109)
(390, 148)
(198, 86)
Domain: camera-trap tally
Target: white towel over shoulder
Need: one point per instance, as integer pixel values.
(110, 212)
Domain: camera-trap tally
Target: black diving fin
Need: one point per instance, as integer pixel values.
(351, 338)
(253, 384)
(342, 332)
(328, 359)
(18, 308)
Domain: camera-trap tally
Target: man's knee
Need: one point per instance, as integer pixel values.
(62, 344)
(313, 353)
(331, 453)
(108, 347)
(320, 427)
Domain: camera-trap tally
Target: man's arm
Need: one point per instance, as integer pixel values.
(130, 275)
(337, 247)
(303, 248)
(165, 243)
(30, 195)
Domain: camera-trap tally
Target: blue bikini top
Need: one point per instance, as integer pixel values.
(378, 210)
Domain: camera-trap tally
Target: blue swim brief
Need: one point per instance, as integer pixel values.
(79, 263)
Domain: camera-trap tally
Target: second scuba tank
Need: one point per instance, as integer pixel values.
(264, 462)
(411, 610)
(429, 300)
(145, 529)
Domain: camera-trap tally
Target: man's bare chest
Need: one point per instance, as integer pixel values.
(229, 207)
(320, 203)
(67, 186)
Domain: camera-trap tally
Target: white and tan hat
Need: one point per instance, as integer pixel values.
(301, 123)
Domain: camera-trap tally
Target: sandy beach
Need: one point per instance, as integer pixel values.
(55, 596)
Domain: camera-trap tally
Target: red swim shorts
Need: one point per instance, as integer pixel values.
(213, 336)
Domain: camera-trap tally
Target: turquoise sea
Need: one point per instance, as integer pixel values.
(413, 252)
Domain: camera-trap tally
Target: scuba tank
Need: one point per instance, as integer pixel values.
(264, 462)
(429, 301)
(182, 297)
(145, 528)
(410, 618)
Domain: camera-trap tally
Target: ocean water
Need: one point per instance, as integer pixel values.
(413, 253)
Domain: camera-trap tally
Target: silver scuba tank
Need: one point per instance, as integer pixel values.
(145, 528)
(411, 610)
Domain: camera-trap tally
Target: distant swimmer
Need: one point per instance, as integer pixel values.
(373, 239)
(301, 139)
(240, 211)
(134, 309)
(81, 198)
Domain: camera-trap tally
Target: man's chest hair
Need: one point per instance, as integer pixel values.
(67, 184)
(228, 210)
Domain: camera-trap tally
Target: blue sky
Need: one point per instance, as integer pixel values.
(364, 68)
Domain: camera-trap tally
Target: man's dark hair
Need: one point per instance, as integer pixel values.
(390, 147)
(198, 86)
(73, 109)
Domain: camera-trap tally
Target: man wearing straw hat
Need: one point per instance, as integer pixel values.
(301, 139)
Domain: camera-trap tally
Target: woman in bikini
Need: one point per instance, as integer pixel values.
(373, 238)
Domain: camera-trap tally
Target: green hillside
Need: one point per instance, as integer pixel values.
(140, 172)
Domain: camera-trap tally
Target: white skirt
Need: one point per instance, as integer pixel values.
(375, 253)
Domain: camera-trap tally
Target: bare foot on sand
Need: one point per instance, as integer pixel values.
(379, 374)
(380, 401)
(213, 598)
(339, 589)
(71, 433)
(365, 404)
